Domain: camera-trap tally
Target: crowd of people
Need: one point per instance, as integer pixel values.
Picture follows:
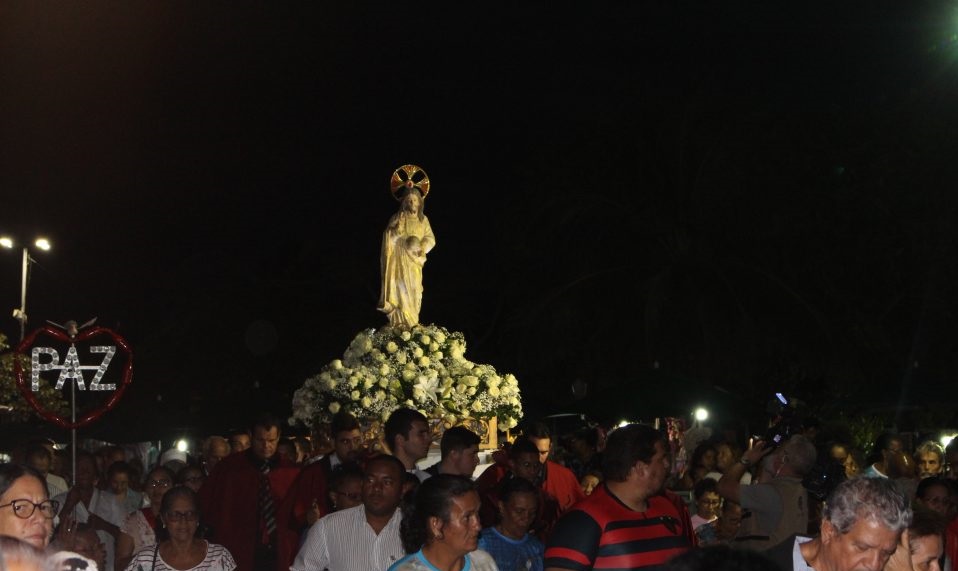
(588, 500)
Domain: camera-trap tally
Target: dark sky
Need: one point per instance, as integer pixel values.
(745, 194)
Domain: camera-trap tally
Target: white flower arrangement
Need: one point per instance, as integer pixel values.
(423, 368)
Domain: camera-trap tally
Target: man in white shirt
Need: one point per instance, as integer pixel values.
(364, 537)
(85, 503)
(39, 456)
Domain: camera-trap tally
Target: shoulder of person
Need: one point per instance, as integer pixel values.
(560, 471)
(482, 561)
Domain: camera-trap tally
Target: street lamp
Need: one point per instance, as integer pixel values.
(20, 314)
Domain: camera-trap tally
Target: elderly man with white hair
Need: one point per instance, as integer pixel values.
(862, 526)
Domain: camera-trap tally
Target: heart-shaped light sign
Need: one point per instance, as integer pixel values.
(71, 370)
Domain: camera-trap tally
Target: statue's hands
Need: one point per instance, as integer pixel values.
(414, 246)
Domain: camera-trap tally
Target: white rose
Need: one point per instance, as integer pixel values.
(439, 337)
(514, 401)
(493, 381)
(354, 395)
(461, 388)
(493, 391)
(418, 393)
(437, 356)
(471, 380)
(384, 382)
(512, 423)
(392, 347)
(476, 405)
(406, 336)
(368, 383)
(334, 407)
(380, 396)
(417, 352)
(337, 364)
(384, 370)
(366, 402)
(401, 358)
(331, 384)
(424, 361)
(434, 346)
(471, 391)
(408, 375)
(425, 340)
(410, 404)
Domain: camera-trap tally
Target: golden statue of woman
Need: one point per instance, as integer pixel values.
(406, 241)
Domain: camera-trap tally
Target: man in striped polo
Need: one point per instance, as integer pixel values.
(627, 522)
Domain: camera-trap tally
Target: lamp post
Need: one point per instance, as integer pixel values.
(20, 314)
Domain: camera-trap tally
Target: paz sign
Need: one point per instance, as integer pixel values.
(107, 345)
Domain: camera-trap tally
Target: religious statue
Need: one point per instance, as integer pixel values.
(406, 241)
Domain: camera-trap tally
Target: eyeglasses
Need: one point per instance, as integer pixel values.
(181, 516)
(24, 508)
(356, 497)
(159, 483)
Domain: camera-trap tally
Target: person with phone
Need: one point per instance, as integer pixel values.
(778, 508)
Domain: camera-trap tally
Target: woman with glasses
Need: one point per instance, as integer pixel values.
(139, 528)
(180, 548)
(26, 512)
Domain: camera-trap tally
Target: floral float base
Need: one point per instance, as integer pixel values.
(424, 368)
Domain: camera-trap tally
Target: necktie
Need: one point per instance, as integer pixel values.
(267, 508)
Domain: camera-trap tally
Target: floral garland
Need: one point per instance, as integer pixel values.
(422, 368)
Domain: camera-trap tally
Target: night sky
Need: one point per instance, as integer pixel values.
(673, 202)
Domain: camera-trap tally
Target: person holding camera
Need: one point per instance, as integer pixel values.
(778, 508)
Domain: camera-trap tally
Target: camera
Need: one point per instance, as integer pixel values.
(784, 421)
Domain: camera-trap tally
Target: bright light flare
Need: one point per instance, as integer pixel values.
(946, 439)
(622, 423)
(182, 445)
(6, 242)
(43, 244)
(701, 414)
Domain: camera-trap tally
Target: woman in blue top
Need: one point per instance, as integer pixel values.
(509, 542)
(440, 529)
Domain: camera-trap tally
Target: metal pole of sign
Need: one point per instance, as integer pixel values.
(23, 292)
(73, 430)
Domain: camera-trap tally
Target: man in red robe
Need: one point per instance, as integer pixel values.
(234, 498)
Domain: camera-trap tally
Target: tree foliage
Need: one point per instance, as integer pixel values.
(13, 407)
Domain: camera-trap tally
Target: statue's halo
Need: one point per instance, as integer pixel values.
(406, 178)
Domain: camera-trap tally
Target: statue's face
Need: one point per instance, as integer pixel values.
(411, 202)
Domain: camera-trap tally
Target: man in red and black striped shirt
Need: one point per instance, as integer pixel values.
(627, 522)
